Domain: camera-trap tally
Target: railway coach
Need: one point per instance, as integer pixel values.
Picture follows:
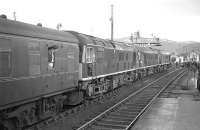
(39, 72)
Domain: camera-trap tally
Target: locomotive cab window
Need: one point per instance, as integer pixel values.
(90, 56)
(51, 56)
(5, 63)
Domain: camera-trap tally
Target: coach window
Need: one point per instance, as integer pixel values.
(51, 56)
(90, 56)
(5, 64)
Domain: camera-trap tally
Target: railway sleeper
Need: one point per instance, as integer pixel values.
(113, 122)
(127, 112)
(121, 115)
(115, 126)
(118, 118)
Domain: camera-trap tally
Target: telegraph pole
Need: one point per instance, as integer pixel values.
(111, 19)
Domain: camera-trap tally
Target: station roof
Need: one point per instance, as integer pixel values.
(27, 30)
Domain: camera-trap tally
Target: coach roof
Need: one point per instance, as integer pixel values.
(28, 30)
(123, 46)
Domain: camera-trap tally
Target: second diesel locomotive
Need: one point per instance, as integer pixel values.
(42, 70)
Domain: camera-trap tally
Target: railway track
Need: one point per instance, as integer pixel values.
(125, 113)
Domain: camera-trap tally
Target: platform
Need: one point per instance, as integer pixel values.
(181, 111)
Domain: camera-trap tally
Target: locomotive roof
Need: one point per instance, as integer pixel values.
(165, 52)
(123, 46)
(91, 40)
(28, 30)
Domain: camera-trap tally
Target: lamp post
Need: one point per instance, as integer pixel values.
(111, 19)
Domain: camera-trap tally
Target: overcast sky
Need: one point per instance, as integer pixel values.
(172, 19)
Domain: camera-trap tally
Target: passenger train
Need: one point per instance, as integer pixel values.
(42, 70)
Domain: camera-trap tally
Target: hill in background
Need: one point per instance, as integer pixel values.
(174, 47)
(178, 48)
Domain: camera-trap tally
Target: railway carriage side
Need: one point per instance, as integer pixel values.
(164, 59)
(38, 73)
(95, 64)
(104, 65)
(126, 63)
(153, 60)
(99, 68)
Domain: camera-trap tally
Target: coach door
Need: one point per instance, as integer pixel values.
(90, 61)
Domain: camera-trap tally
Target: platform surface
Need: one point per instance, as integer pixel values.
(179, 112)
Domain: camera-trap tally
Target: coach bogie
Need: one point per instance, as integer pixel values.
(19, 116)
(96, 86)
(74, 97)
(50, 106)
(9, 124)
(115, 82)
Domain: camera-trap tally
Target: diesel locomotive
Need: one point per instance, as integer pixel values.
(42, 70)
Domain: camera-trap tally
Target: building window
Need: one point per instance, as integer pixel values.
(90, 56)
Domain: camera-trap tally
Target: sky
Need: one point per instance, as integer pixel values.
(168, 19)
